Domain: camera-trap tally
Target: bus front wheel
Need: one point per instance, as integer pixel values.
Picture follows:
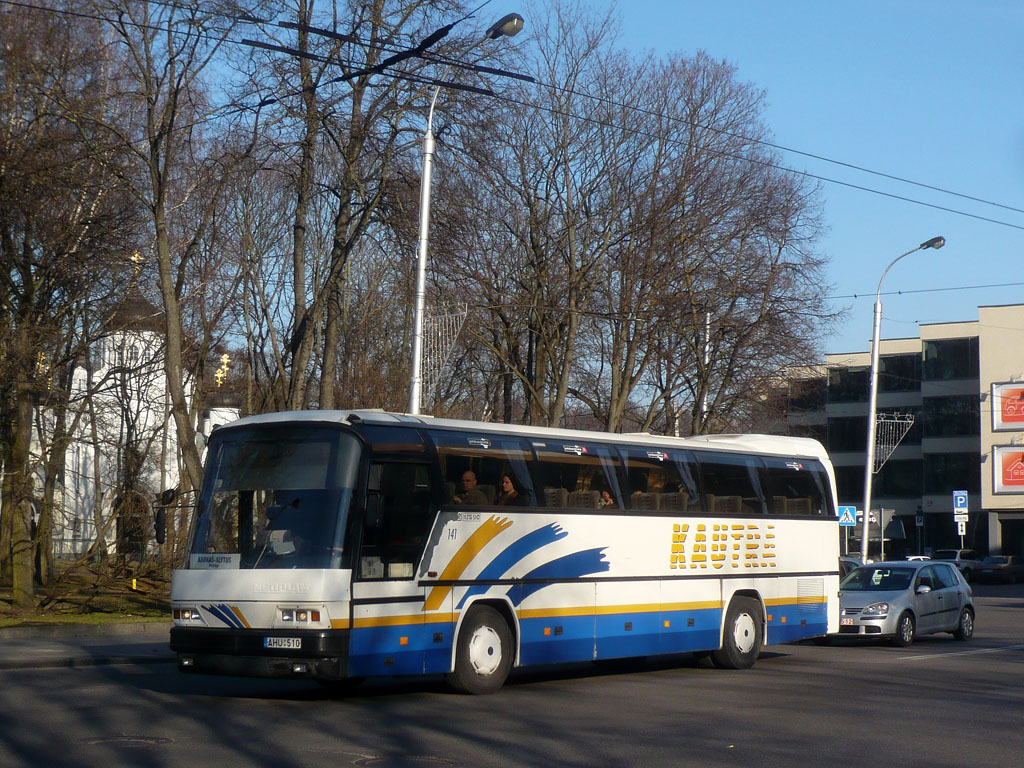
(742, 637)
(483, 652)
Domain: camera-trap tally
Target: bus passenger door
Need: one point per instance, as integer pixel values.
(389, 636)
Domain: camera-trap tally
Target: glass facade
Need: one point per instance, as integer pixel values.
(847, 433)
(899, 373)
(848, 385)
(948, 472)
(899, 479)
(951, 359)
(807, 395)
(956, 416)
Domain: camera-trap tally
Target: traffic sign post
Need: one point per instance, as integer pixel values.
(960, 514)
(847, 519)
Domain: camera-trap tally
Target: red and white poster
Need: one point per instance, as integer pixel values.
(1008, 406)
(1008, 469)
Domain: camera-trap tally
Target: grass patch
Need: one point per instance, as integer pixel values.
(87, 597)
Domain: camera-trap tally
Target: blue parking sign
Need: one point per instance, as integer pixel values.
(960, 500)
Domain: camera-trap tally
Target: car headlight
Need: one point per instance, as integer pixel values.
(876, 609)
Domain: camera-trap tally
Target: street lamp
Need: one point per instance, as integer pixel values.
(869, 464)
(507, 26)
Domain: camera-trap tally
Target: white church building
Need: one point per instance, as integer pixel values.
(124, 448)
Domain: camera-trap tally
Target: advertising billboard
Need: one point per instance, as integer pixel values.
(1008, 469)
(1008, 406)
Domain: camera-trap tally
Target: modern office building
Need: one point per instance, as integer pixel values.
(963, 385)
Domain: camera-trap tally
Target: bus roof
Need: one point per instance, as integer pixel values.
(752, 443)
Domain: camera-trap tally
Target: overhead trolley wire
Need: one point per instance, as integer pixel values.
(419, 51)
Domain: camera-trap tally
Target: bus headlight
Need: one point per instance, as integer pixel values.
(190, 615)
(300, 615)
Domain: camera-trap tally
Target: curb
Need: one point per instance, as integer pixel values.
(84, 661)
(121, 629)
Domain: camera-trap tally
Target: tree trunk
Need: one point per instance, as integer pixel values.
(22, 594)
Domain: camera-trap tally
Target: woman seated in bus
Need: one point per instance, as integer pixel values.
(509, 496)
(606, 499)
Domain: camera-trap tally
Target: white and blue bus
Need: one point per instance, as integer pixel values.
(336, 545)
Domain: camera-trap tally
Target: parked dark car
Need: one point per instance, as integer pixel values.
(846, 564)
(967, 560)
(1005, 568)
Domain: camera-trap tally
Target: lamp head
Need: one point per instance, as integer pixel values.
(935, 242)
(509, 25)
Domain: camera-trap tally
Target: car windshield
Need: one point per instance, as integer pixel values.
(997, 560)
(275, 497)
(945, 554)
(870, 578)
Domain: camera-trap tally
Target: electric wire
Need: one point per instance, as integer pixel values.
(564, 113)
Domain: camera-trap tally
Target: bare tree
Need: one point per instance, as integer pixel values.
(63, 227)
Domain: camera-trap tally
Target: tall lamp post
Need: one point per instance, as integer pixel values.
(869, 464)
(507, 26)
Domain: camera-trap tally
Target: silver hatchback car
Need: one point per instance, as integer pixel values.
(903, 599)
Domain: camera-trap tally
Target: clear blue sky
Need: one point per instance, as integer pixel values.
(927, 90)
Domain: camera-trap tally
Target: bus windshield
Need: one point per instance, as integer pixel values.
(275, 498)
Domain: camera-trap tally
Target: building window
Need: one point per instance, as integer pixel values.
(955, 416)
(899, 479)
(848, 385)
(807, 395)
(949, 359)
(948, 472)
(850, 484)
(848, 433)
(899, 373)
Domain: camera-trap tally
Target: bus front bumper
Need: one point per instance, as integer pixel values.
(310, 654)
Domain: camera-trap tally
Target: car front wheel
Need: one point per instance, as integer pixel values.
(965, 627)
(905, 629)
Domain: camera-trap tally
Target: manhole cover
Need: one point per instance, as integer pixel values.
(129, 741)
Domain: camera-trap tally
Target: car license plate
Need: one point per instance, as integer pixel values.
(846, 622)
(282, 642)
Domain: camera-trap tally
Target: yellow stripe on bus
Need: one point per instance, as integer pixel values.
(480, 538)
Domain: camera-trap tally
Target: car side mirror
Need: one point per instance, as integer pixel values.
(923, 589)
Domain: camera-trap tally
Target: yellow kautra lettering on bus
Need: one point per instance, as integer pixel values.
(740, 545)
(480, 538)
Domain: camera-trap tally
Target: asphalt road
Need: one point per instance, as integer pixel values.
(937, 703)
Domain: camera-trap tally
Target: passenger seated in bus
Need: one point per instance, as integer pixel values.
(470, 493)
(509, 495)
(606, 499)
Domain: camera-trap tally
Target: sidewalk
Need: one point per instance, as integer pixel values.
(55, 645)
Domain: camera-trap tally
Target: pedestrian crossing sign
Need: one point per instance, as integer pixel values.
(847, 515)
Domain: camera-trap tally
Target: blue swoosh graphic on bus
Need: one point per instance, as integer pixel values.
(512, 554)
(225, 615)
(569, 567)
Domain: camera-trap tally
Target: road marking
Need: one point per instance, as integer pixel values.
(963, 653)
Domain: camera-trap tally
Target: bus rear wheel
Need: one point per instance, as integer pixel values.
(742, 637)
(483, 652)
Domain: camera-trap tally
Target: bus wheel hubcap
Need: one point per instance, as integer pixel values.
(485, 651)
(743, 633)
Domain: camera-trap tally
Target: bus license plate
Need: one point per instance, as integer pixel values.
(282, 642)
